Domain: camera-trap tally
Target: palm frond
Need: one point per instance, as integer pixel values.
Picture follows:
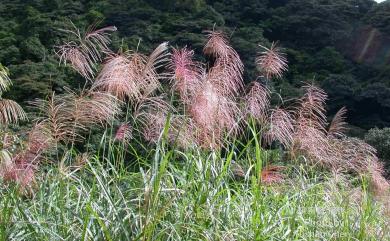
(5, 81)
(11, 112)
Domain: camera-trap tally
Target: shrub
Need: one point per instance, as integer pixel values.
(380, 139)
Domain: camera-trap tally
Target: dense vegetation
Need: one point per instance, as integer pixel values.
(193, 200)
(342, 45)
(133, 137)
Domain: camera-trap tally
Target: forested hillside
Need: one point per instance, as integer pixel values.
(194, 120)
(342, 45)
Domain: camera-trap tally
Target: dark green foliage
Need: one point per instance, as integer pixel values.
(380, 139)
(314, 24)
(319, 37)
(379, 17)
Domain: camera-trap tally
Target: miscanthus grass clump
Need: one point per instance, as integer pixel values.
(187, 151)
(190, 196)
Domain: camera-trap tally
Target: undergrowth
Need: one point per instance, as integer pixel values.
(172, 195)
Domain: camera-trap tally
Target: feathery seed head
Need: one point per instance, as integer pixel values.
(272, 62)
(226, 73)
(187, 73)
(121, 76)
(85, 51)
(124, 133)
(257, 102)
(281, 127)
(338, 127)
